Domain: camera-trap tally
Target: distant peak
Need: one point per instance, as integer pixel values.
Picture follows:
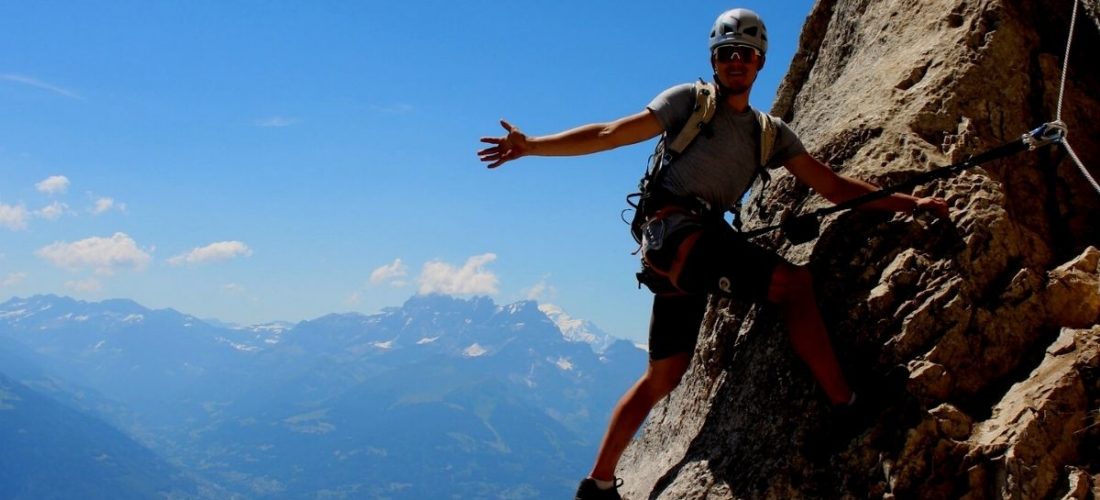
(577, 330)
(442, 301)
(521, 307)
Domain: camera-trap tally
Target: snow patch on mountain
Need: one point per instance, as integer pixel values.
(577, 330)
(474, 350)
(69, 317)
(267, 333)
(516, 308)
(16, 314)
(133, 318)
(235, 345)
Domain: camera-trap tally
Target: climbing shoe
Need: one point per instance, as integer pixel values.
(847, 422)
(589, 491)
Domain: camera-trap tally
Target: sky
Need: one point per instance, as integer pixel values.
(256, 161)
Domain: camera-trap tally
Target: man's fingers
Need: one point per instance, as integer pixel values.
(502, 150)
(489, 150)
(498, 159)
(934, 206)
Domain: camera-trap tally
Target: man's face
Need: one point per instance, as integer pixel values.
(736, 66)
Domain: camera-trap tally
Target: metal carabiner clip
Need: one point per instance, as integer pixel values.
(1047, 133)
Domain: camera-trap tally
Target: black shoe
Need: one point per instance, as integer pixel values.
(890, 387)
(589, 491)
(837, 429)
(847, 422)
(850, 420)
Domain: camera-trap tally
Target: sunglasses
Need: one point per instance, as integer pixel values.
(730, 52)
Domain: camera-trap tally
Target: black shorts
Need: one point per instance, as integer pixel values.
(722, 262)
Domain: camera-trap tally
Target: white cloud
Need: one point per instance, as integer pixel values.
(12, 279)
(472, 278)
(354, 299)
(13, 217)
(84, 286)
(53, 211)
(54, 184)
(36, 83)
(392, 272)
(214, 252)
(101, 254)
(104, 204)
(541, 291)
(276, 121)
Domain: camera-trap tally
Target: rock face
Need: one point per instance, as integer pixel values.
(995, 313)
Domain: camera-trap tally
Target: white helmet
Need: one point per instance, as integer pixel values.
(739, 27)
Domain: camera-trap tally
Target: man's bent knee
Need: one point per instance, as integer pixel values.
(789, 282)
(664, 375)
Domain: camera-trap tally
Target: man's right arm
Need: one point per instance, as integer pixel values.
(597, 137)
(582, 140)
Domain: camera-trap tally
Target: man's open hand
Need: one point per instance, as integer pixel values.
(506, 148)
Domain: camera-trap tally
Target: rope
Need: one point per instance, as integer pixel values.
(1080, 166)
(1065, 61)
(1061, 93)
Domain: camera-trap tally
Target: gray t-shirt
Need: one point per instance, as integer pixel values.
(719, 166)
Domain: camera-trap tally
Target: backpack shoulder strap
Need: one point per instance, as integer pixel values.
(769, 129)
(706, 102)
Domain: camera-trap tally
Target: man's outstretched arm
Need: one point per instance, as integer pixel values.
(582, 140)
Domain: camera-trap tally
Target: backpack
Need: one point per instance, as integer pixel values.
(706, 103)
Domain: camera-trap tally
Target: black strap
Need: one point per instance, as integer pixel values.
(800, 225)
(760, 172)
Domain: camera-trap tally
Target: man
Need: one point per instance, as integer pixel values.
(709, 257)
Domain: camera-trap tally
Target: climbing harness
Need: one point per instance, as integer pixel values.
(666, 225)
(651, 196)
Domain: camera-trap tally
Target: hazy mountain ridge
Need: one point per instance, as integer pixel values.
(488, 399)
(95, 459)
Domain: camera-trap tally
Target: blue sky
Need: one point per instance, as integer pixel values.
(258, 161)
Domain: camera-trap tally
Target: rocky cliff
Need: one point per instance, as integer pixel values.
(995, 313)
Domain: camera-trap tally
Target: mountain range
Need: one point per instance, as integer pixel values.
(441, 397)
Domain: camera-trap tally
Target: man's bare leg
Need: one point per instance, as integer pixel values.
(660, 378)
(792, 291)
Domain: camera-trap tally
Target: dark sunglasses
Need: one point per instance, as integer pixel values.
(729, 52)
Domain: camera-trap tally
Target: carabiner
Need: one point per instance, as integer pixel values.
(1047, 133)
